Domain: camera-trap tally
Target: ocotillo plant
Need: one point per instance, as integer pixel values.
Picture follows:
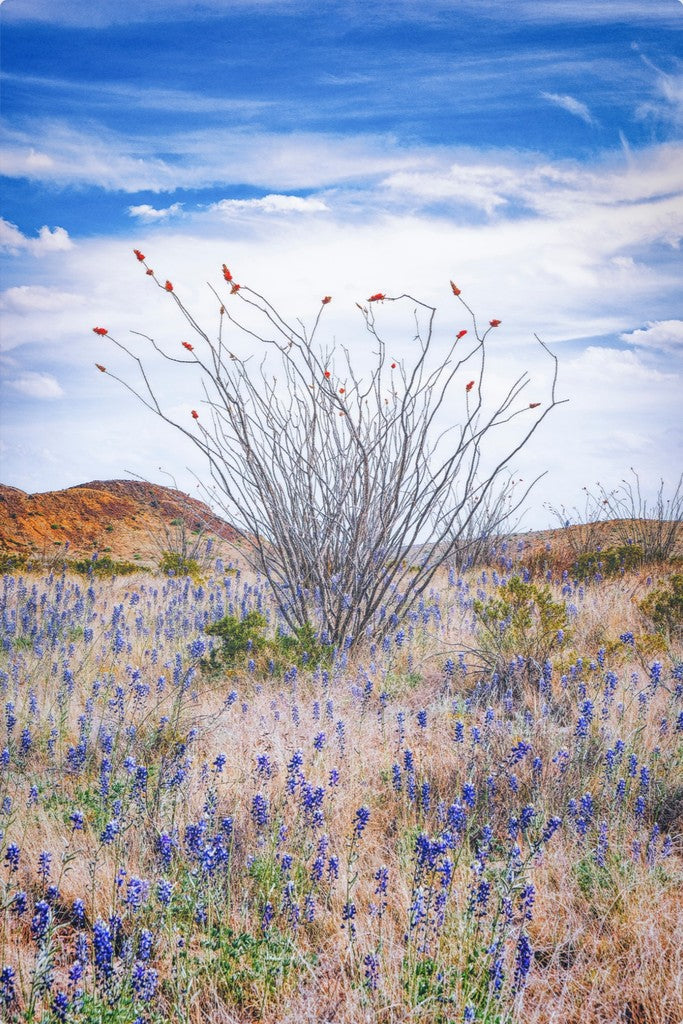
(346, 488)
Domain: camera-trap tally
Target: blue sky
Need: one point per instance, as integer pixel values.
(530, 149)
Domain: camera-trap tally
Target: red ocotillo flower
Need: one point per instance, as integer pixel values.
(235, 288)
(460, 334)
(226, 273)
(393, 366)
(342, 391)
(102, 369)
(149, 272)
(187, 345)
(468, 387)
(534, 405)
(168, 286)
(377, 297)
(328, 298)
(139, 255)
(495, 323)
(455, 289)
(101, 331)
(327, 374)
(195, 414)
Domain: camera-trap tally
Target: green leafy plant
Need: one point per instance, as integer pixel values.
(610, 562)
(521, 620)
(246, 638)
(103, 567)
(664, 606)
(180, 565)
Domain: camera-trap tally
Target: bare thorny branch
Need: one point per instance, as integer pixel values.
(348, 497)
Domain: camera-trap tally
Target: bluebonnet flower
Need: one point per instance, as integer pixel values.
(110, 832)
(144, 981)
(76, 819)
(602, 845)
(60, 1006)
(259, 810)
(333, 777)
(41, 920)
(267, 916)
(78, 912)
(396, 778)
(333, 867)
(12, 857)
(361, 820)
(371, 964)
(44, 863)
(469, 794)
(164, 892)
(523, 957)
(19, 903)
(459, 735)
(319, 741)
(422, 719)
(8, 993)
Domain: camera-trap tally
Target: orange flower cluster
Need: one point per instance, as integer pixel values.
(495, 323)
(101, 331)
(455, 289)
(377, 297)
(168, 286)
(102, 369)
(140, 256)
(328, 298)
(235, 288)
(187, 345)
(226, 273)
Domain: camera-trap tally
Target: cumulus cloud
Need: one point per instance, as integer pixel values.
(37, 385)
(148, 214)
(49, 240)
(661, 335)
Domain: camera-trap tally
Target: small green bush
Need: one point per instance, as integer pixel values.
(11, 561)
(180, 565)
(664, 606)
(244, 639)
(609, 562)
(521, 620)
(103, 568)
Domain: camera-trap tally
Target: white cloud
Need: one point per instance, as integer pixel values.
(37, 385)
(38, 298)
(271, 204)
(660, 335)
(148, 214)
(12, 240)
(571, 105)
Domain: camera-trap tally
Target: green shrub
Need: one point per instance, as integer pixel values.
(664, 606)
(609, 562)
(103, 568)
(243, 639)
(11, 561)
(180, 565)
(521, 620)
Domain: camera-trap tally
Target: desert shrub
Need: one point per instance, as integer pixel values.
(246, 639)
(180, 565)
(103, 567)
(664, 606)
(521, 620)
(610, 562)
(10, 561)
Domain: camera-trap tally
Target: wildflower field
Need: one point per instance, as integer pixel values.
(476, 817)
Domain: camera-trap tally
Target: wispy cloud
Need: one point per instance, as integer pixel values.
(571, 105)
(37, 385)
(270, 204)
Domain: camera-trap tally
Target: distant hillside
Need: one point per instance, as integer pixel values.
(126, 519)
